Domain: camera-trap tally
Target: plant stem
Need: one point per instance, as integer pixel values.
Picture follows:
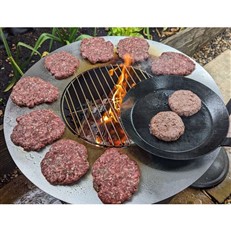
(95, 32)
(12, 61)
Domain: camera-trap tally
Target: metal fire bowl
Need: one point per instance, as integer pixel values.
(160, 178)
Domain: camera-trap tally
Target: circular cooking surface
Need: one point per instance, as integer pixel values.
(160, 178)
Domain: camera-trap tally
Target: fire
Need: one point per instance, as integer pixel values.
(119, 91)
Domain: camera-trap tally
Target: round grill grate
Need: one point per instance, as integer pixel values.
(87, 102)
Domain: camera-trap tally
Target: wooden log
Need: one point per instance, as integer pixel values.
(190, 40)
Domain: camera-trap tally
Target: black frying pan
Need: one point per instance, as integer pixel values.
(204, 132)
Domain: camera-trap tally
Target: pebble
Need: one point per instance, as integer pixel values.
(6, 178)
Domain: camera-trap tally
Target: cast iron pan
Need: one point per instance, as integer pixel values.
(204, 132)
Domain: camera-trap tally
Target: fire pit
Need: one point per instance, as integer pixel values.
(89, 106)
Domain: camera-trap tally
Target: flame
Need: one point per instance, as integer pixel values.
(119, 91)
(98, 140)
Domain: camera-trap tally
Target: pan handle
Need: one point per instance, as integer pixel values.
(228, 106)
(227, 140)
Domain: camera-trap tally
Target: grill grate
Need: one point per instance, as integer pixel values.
(89, 96)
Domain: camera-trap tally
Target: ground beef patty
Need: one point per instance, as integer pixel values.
(167, 126)
(61, 64)
(137, 48)
(184, 103)
(31, 91)
(65, 163)
(97, 49)
(37, 129)
(115, 176)
(172, 63)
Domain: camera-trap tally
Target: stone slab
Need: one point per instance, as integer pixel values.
(21, 191)
(191, 196)
(223, 190)
(220, 69)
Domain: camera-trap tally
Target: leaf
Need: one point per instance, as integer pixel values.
(45, 53)
(67, 42)
(51, 42)
(15, 65)
(17, 70)
(146, 32)
(5, 43)
(95, 32)
(125, 31)
(11, 84)
(82, 36)
(73, 33)
(42, 38)
(21, 44)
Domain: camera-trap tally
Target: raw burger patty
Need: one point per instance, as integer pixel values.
(65, 163)
(167, 126)
(97, 49)
(61, 64)
(31, 91)
(115, 177)
(37, 129)
(137, 48)
(184, 103)
(172, 63)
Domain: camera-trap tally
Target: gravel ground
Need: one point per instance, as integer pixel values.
(203, 56)
(6, 178)
(213, 48)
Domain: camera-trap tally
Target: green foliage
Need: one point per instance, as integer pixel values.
(125, 31)
(130, 31)
(63, 36)
(67, 35)
(146, 32)
(16, 69)
(34, 50)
